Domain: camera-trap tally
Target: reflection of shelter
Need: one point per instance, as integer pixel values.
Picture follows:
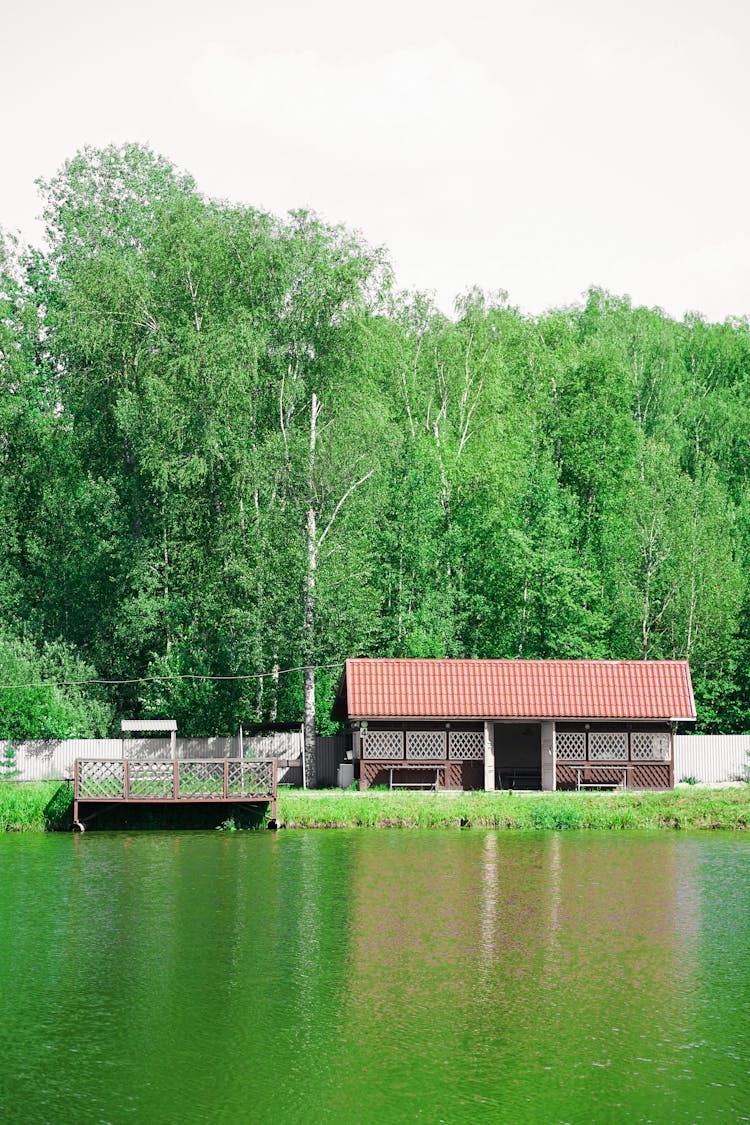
(515, 976)
(533, 724)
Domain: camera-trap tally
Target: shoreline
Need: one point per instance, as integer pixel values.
(47, 807)
(683, 808)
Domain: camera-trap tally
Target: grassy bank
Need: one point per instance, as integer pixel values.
(47, 806)
(705, 809)
(44, 806)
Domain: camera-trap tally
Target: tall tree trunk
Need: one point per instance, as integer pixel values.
(308, 632)
(273, 714)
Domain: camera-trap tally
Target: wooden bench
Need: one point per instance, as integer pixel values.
(586, 781)
(413, 784)
(511, 777)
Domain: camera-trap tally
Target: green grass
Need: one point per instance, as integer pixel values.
(701, 809)
(43, 806)
(47, 806)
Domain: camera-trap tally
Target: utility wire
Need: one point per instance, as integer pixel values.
(179, 676)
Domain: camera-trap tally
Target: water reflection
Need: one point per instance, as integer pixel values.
(374, 977)
(543, 975)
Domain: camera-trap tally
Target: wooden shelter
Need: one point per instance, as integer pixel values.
(532, 724)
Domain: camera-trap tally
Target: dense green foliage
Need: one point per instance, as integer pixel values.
(229, 446)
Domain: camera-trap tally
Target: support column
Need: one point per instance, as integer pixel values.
(489, 756)
(356, 756)
(549, 757)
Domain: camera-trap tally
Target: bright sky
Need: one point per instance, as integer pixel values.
(530, 145)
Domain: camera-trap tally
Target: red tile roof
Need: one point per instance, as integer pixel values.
(518, 689)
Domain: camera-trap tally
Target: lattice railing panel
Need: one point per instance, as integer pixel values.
(250, 779)
(98, 779)
(151, 779)
(608, 746)
(382, 744)
(466, 745)
(201, 780)
(649, 747)
(425, 744)
(570, 746)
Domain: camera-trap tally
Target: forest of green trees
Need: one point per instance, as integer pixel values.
(230, 446)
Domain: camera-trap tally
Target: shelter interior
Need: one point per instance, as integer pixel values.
(511, 755)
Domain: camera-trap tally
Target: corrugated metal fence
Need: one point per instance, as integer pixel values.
(45, 760)
(712, 758)
(48, 760)
(284, 745)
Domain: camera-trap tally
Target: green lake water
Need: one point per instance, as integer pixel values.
(376, 976)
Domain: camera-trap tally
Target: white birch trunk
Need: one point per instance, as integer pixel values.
(309, 607)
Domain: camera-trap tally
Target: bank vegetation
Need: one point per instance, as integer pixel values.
(47, 806)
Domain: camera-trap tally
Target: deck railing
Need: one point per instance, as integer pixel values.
(226, 779)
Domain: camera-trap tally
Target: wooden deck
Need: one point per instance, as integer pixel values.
(240, 781)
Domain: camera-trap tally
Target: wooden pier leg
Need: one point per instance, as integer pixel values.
(76, 790)
(275, 790)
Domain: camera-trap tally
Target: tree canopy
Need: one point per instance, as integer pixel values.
(231, 448)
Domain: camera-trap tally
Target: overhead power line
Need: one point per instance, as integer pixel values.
(179, 676)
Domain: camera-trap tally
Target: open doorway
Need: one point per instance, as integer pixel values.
(518, 755)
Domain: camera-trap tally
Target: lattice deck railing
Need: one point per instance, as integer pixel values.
(228, 779)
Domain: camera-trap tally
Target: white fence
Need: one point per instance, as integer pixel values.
(48, 760)
(712, 758)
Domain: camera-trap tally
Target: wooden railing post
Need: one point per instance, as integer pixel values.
(126, 780)
(176, 780)
(226, 779)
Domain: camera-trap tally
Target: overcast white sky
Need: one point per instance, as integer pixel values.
(535, 146)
